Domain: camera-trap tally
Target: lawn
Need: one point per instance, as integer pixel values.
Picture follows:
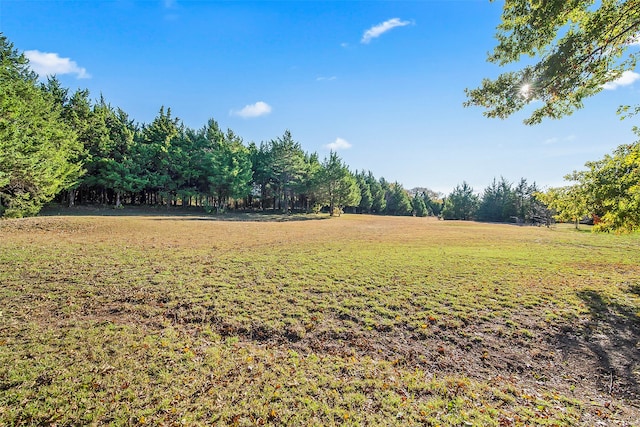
(357, 320)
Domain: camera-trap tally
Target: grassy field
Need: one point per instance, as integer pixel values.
(357, 320)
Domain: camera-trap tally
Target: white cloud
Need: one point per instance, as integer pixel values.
(254, 110)
(322, 78)
(338, 144)
(627, 78)
(555, 139)
(380, 29)
(48, 64)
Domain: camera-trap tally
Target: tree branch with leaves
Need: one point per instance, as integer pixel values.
(577, 46)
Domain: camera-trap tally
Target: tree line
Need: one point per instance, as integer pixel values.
(56, 145)
(501, 201)
(605, 194)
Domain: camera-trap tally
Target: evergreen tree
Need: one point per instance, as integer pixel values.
(310, 184)
(339, 187)
(155, 149)
(418, 205)
(262, 177)
(39, 152)
(462, 203)
(198, 166)
(366, 198)
(529, 207)
(90, 123)
(398, 202)
(379, 202)
(286, 167)
(119, 170)
(432, 200)
(231, 169)
(522, 199)
(498, 202)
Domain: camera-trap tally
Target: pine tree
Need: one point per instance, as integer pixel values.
(231, 169)
(39, 152)
(398, 202)
(462, 203)
(339, 186)
(366, 198)
(286, 166)
(419, 207)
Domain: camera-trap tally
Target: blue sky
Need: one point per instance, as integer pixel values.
(382, 82)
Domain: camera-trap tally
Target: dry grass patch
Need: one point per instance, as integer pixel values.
(353, 320)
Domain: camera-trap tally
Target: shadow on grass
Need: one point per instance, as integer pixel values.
(177, 213)
(248, 217)
(610, 340)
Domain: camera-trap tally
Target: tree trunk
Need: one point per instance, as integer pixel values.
(72, 197)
